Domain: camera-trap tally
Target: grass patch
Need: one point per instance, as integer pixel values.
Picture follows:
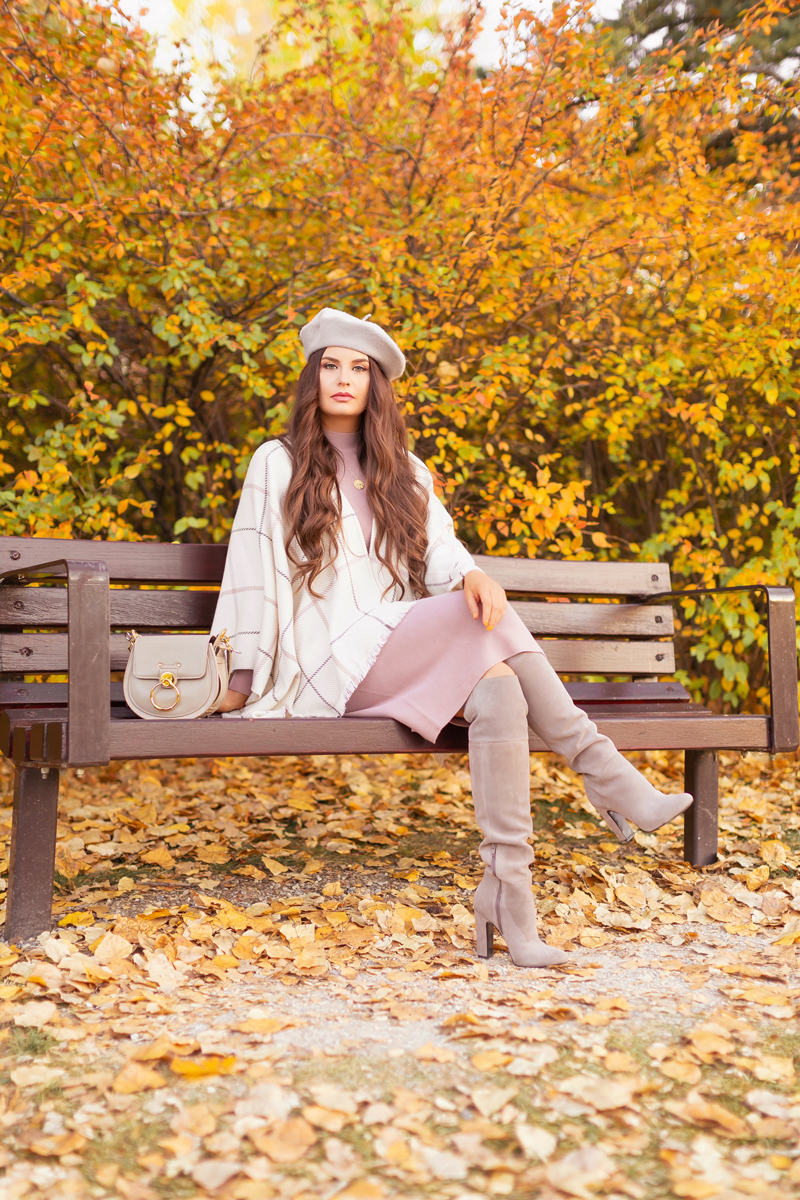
(29, 1041)
(124, 1144)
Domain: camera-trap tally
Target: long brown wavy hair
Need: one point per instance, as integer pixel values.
(312, 506)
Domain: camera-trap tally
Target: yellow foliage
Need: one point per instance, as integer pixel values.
(589, 267)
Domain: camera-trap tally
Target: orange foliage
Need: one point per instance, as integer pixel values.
(590, 269)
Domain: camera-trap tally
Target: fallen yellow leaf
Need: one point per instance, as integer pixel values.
(250, 871)
(179, 1145)
(226, 962)
(35, 1014)
(288, 1142)
(431, 1053)
(702, 1112)
(197, 1068)
(58, 1145)
(708, 1044)
(761, 995)
(273, 866)
(696, 1189)
(301, 802)
(362, 1189)
(195, 1119)
(325, 1118)
(160, 857)
(754, 879)
(774, 851)
(773, 1068)
(618, 1060)
(214, 854)
(489, 1101)
(77, 918)
(683, 1072)
(35, 1076)
(137, 1078)
(164, 1047)
(490, 1060)
(265, 1025)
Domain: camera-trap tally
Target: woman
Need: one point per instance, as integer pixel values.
(346, 591)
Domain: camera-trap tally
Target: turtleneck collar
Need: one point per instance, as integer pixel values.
(344, 441)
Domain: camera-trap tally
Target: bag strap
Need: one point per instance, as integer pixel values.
(222, 650)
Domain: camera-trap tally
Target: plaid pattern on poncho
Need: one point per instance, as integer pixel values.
(309, 653)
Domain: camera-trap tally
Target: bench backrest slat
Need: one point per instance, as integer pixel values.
(131, 608)
(609, 658)
(44, 653)
(596, 620)
(589, 637)
(134, 608)
(576, 578)
(189, 563)
(142, 562)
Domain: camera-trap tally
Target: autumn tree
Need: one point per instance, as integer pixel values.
(590, 268)
(644, 25)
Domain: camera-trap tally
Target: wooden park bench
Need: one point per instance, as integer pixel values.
(58, 615)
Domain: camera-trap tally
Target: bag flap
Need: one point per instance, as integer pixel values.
(185, 654)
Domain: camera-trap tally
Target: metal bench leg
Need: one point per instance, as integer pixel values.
(33, 853)
(700, 822)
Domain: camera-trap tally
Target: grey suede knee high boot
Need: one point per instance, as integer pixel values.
(613, 785)
(499, 764)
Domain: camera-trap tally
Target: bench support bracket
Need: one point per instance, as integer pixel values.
(33, 853)
(700, 837)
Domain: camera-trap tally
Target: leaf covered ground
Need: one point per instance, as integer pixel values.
(260, 982)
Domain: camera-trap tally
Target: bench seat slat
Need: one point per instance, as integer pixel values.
(33, 653)
(220, 736)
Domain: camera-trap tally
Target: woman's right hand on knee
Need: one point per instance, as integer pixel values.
(485, 598)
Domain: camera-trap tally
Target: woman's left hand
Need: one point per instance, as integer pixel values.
(479, 589)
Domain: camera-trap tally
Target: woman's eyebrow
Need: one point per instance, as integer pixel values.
(330, 358)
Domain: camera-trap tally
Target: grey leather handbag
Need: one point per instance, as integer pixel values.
(176, 676)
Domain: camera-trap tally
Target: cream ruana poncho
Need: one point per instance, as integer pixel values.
(309, 654)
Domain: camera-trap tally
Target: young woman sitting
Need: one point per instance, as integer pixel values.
(346, 592)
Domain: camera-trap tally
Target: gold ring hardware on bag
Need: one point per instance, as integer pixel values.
(166, 680)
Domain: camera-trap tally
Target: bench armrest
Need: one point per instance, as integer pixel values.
(782, 641)
(88, 656)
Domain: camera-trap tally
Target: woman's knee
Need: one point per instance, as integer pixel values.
(500, 668)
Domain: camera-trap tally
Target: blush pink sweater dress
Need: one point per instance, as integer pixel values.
(430, 663)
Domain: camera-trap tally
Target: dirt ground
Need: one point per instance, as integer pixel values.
(261, 982)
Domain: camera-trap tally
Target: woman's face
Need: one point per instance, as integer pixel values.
(343, 388)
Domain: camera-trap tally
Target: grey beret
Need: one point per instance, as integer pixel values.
(331, 327)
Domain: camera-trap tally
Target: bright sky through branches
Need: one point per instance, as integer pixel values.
(159, 17)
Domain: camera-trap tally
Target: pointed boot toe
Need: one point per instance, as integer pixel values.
(665, 809)
(510, 909)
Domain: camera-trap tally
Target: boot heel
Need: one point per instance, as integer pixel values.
(618, 825)
(484, 937)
